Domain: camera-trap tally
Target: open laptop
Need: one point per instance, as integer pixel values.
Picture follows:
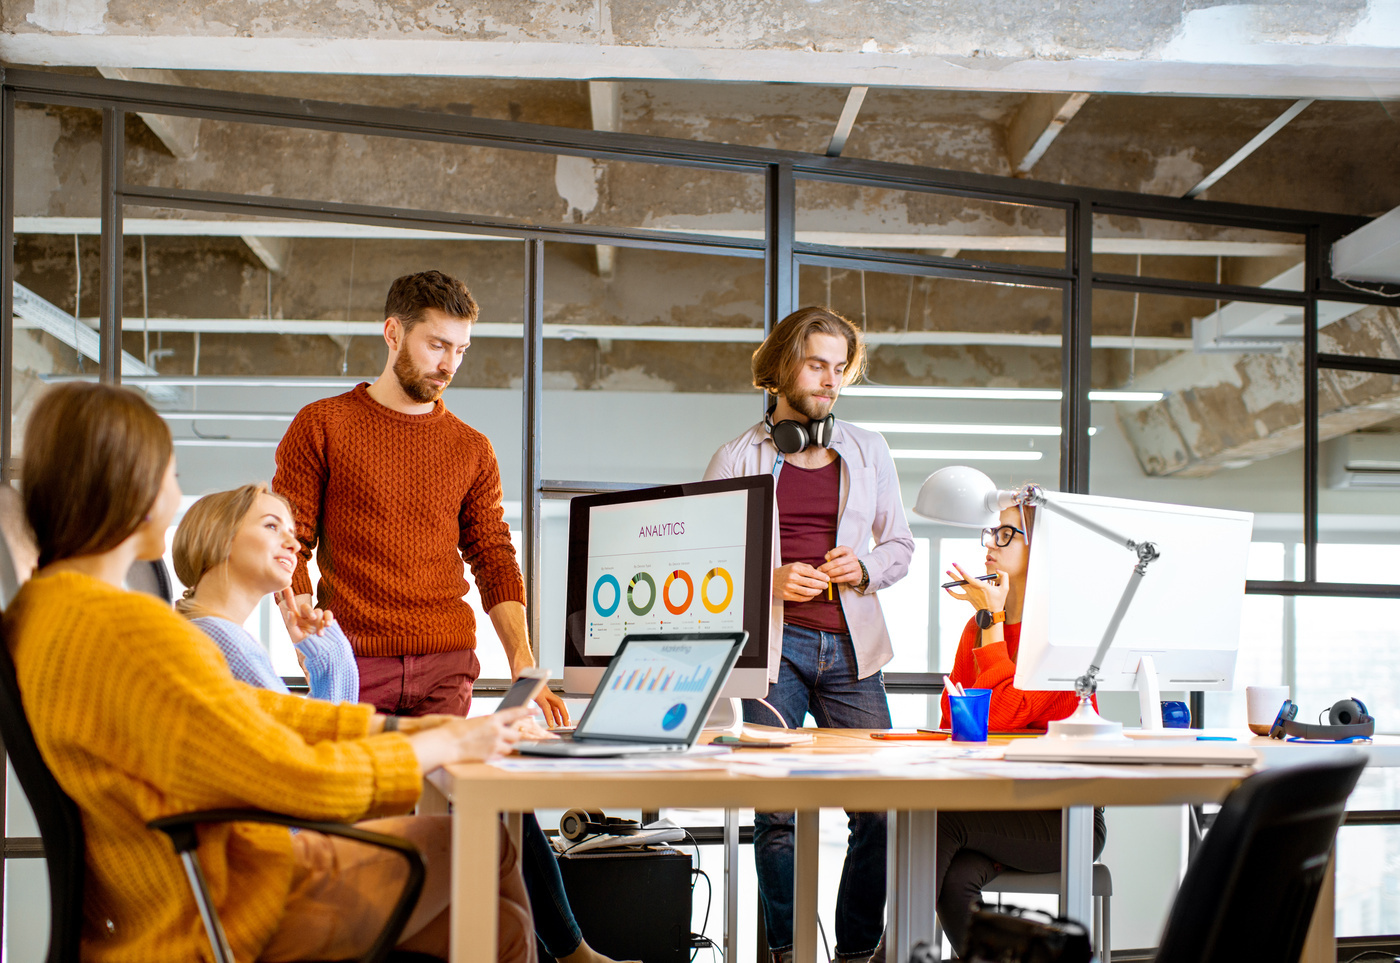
(655, 696)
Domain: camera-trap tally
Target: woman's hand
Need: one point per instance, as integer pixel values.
(301, 617)
(468, 740)
(981, 595)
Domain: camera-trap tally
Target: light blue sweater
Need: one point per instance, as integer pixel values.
(330, 663)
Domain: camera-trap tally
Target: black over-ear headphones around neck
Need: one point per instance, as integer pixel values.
(790, 437)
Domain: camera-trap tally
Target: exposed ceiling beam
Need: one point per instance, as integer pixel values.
(32, 311)
(1167, 48)
(272, 251)
(847, 121)
(614, 332)
(180, 135)
(192, 227)
(605, 105)
(1036, 125)
(1255, 142)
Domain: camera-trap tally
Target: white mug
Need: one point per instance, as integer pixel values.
(1262, 703)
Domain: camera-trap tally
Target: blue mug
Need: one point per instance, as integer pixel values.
(1176, 715)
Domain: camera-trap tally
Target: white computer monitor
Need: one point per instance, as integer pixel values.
(691, 557)
(1184, 621)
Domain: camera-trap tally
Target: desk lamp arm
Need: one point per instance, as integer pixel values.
(1088, 683)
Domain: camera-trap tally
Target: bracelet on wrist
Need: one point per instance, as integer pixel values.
(391, 723)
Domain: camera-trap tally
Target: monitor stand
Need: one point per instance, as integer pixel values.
(727, 716)
(1149, 691)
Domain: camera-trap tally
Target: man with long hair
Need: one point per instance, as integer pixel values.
(842, 537)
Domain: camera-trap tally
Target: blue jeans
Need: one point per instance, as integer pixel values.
(818, 675)
(555, 927)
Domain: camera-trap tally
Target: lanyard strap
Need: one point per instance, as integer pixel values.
(777, 465)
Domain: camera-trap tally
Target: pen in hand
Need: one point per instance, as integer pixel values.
(963, 581)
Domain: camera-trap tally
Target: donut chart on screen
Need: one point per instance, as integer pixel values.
(611, 607)
(651, 598)
(689, 592)
(717, 572)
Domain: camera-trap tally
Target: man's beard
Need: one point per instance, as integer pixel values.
(803, 403)
(414, 383)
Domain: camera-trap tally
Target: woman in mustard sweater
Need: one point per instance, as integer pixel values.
(137, 715)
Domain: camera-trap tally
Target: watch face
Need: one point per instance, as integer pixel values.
(983, 618)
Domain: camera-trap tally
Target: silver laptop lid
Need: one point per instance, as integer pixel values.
(660, 688)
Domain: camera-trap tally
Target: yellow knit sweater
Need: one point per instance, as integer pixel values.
(137, 715)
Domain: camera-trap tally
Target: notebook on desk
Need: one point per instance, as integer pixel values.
(654, 697)
(1190, 753)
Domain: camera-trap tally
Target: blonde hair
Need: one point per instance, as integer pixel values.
(204, 539)
(777, 358)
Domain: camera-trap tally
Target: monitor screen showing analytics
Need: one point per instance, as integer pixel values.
(656, 689)
(665, 565)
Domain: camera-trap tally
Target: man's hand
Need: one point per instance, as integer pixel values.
(508, 618)
(799, 582)
(841, 565)
(555, 712)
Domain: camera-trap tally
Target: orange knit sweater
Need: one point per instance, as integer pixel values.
(136, 714)
(392, 504)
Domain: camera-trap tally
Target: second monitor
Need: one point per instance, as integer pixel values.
(691, 557)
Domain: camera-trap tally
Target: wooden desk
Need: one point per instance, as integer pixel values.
(480, 794)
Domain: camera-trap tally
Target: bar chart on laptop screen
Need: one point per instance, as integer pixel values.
(672, 564)
(657, 689)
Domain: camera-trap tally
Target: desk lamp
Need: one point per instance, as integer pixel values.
(963, 496)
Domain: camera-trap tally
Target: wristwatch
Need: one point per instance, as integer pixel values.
(986, 618)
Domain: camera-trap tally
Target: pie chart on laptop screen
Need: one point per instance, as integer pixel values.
(674, 716)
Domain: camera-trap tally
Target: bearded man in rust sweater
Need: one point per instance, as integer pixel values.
(392, 492)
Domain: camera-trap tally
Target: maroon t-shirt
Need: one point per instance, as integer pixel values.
(808, 500)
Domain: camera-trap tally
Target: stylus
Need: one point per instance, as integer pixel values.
(963, 581)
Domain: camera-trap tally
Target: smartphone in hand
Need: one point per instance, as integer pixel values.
(524, 689)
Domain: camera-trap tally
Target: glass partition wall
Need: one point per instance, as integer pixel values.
(1088, 340)
(1011, 324)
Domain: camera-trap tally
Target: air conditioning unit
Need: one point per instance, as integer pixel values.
(1364, 461)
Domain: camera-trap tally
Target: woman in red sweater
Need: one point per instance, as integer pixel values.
(974, 848)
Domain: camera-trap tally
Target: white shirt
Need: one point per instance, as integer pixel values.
(870, 520)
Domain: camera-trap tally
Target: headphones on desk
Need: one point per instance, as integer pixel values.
(790, 437)
(1347, 719)
(576, 824)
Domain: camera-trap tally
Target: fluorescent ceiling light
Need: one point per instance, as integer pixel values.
(225, 416)
(990, 394)
(919, 428)
(947, 454)
(223, 443)
(980, 394)
(915, 428)
(217, 381)
(1127, 395)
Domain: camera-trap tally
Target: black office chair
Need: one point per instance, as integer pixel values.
(1249, 893)
(61, 828)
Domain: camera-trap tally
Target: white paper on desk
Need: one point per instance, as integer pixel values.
(832, 764)
(619, 764)
(1048, 770)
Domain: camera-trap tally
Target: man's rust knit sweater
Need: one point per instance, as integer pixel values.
(392, 504)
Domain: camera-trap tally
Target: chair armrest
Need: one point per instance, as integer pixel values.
(182, 832)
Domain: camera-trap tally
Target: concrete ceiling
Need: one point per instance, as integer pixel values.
(1150, 97)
